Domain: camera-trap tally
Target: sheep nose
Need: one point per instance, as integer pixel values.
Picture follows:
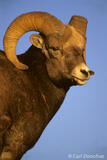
(86, 73)
(91, 72)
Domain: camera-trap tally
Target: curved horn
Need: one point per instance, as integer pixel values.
(33, 21)
(79, 23)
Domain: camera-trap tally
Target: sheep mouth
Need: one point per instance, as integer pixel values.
(80, 81)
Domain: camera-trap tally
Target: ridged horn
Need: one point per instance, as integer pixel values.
(79, 23)
(34, 21)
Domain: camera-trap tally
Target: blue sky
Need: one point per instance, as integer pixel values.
(79, 126)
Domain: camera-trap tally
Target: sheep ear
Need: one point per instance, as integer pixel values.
(36, 40)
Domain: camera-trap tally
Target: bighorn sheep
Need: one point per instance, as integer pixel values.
(33, 86)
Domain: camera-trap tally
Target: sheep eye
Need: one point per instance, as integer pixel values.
(55, 51)
(54, 48)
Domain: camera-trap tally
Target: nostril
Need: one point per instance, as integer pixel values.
(91, 72)
(84, 72)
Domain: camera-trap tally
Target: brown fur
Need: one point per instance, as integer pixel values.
(29, 99)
